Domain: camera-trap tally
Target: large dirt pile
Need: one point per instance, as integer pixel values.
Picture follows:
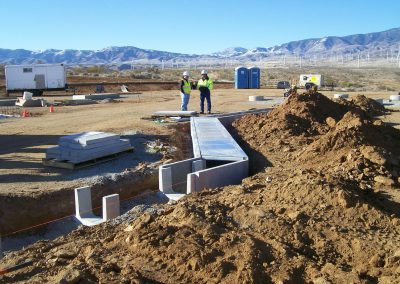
(325, 211)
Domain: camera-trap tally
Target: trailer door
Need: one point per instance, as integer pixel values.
(40, 81)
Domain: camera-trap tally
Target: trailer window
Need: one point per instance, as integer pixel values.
(27, 70)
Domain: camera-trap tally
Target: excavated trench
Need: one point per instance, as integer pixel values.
(22, 214)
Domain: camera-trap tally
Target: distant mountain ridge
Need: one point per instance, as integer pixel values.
(374, 43)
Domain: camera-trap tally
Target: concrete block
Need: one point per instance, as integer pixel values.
(256, 98)
(27, 95)
(340, 96)
(165, 179)
(111, 207)
(83, 207)
(175, 113)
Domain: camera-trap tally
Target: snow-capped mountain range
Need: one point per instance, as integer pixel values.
(375, 44)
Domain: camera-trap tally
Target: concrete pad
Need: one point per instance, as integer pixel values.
(175, 113)
(175, 196)
(29, 103)
(79, 102)
(96, 96)
(179, 119)
(8, 102)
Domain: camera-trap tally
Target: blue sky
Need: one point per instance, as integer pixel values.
(185, 26)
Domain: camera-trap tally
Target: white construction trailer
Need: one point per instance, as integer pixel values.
(315, 79)
(35, 78)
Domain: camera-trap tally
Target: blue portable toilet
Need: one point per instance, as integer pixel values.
(241, 78)
(254, 77)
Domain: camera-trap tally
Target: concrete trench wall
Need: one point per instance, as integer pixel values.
(198, 177)
(173, 177)
(229, 174)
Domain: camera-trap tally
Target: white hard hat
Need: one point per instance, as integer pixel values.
(186, 73)
(204, 72)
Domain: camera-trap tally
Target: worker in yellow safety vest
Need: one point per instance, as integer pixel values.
(205, 85)
(185, 87)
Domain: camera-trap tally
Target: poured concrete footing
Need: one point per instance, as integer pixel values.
(84, 211)
(96, 96)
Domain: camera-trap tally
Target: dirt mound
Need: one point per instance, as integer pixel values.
(325, 211)
(372, 107)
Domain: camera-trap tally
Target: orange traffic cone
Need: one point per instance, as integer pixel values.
(51, 109)
(25, 113)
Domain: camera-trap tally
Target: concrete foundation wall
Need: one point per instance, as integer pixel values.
(228, 174)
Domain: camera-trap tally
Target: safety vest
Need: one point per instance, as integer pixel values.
(186, 87)
(205, 83)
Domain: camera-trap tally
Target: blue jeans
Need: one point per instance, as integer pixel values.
(205, 97)
(185, 101)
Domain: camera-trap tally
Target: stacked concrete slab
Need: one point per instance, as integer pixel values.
(86, 146)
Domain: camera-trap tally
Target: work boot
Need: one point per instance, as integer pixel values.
(202, 112)
(209, 112)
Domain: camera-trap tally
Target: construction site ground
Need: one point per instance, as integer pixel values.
(283, 242)
(24, 140)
